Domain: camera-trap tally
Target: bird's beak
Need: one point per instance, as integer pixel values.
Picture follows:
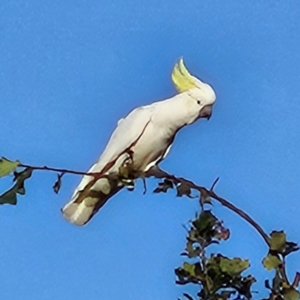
(206, 112)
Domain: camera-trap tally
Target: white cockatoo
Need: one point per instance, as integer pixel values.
(141, 140)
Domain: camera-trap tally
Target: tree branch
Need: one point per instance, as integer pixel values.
(45, 168)
(158, 173)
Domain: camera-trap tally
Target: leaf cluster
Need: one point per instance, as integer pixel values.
(218, 276)
(280, 287)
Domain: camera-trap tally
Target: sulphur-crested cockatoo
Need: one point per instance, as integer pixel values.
(141, 140)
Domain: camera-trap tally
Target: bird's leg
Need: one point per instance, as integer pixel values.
(126, 172)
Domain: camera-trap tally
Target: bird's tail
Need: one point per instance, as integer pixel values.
(81, 208)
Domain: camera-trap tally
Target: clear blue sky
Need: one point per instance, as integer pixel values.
(70, 69)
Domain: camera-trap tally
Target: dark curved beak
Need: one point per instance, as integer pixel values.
(206, 112)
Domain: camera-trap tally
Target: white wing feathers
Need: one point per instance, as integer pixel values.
(127, 133)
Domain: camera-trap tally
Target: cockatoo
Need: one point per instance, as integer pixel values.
(141, 141)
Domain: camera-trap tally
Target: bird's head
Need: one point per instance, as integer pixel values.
(198, 96)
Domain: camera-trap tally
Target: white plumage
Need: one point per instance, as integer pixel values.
(141, 140)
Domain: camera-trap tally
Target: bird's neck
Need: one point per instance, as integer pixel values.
(172, 112)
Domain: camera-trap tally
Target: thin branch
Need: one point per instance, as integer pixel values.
(242, 214)
(282, 271)
(158, 173)
(214, 184)
(45, 168)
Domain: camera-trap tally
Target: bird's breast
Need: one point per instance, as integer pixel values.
(151, 147)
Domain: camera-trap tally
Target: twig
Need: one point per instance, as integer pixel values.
(45, 168)
(282, 271)
(214, 184)
(242, 214)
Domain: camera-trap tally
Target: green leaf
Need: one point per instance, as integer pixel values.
(20, 177)
(213, 267)
(21, 190)
(57, 185)
(205, 221)
(183, 190)
(7, 166)
(205, 225)
(277, 241)
(271, 262)
(291, 294)
(233, 266)
(193, 270)
(9, 197)
(209, 282)
(227, 272)
(192, 251)
(189, 268)
(164, 186)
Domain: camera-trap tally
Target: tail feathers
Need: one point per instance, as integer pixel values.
(79, 213)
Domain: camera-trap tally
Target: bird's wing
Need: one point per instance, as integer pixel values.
(93, 194)
(127, 133)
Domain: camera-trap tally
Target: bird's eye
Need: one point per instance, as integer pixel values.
(198, 102)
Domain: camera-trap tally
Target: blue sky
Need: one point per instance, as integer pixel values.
(70, 69)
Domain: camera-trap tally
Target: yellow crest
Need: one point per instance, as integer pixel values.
(182, 78)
